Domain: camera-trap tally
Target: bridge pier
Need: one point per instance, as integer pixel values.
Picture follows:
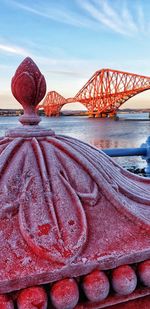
(103, 115)
(95, 115)
(56, 114)
(113, 116)
(91, 115)
(98, 115)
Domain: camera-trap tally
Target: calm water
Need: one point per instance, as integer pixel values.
(101, 133)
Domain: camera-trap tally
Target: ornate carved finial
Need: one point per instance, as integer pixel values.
(28, 87)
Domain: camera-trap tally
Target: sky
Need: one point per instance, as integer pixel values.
(71, 39)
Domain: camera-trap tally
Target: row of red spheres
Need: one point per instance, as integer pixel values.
(64, 294)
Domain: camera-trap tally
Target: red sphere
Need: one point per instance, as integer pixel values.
(144, 272)
(96, 285)
(64, 294)
(6, 302)
(31, 298)
(124, 280)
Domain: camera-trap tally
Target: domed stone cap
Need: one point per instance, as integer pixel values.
(65, 207)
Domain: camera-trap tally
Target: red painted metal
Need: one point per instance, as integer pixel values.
(104, 92)
(74, 226)
(53, 103)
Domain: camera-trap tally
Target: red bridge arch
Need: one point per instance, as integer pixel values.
(104, 92)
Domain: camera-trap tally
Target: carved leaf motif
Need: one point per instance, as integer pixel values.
(54, 183)
(51, 216)
(24, 88)
(40, 89)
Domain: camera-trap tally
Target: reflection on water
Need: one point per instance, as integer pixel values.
(101, 133)
(105, 143)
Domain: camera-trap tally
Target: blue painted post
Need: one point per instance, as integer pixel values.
(146, 156)
(125, 152)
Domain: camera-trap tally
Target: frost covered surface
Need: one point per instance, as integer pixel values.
(65, 209)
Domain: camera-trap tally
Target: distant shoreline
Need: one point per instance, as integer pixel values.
(19, 112)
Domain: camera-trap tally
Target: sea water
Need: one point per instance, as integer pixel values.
(131, 130)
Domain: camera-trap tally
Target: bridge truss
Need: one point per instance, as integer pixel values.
(104, 92)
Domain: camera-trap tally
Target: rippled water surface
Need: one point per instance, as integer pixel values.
(101, 133)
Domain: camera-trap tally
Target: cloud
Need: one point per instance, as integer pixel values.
(60, 14)
(66, 73)
(116, 16)
(123, 17)
(103, 14)
(126, 21)
(141, 18)
(13, 50)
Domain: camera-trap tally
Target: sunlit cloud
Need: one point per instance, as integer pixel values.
(13, 50)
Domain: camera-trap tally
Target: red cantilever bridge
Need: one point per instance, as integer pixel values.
(102, 95)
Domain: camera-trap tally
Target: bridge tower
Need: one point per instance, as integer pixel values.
(53, 103)
(108, 89)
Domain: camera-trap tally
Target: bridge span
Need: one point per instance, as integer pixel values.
(103, 93)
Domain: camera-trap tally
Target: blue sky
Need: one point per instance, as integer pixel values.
(71, 39)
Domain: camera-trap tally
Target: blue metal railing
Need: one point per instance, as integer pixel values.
(125, 152)
(143, 151)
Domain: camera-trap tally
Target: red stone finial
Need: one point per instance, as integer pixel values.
(28, 87)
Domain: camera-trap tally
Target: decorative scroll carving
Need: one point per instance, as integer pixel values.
(57, 182)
